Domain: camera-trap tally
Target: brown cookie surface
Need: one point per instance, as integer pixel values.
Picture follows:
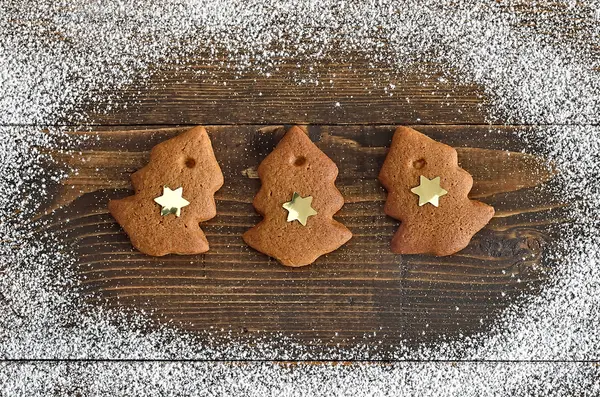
(185, 168)
(410, 173)
(298, 166)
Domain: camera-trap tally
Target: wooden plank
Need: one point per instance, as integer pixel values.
(200, 88)
(361, 288)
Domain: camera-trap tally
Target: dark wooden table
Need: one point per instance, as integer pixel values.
(360, 289)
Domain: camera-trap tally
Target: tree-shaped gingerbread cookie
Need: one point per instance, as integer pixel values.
(428, 193)
(173, 194)
(297, 199)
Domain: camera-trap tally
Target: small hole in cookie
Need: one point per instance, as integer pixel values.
(300, 161)
(190, 162)
(420, 163)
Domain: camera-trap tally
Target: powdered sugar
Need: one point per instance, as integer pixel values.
(57, 57)
(281, 379)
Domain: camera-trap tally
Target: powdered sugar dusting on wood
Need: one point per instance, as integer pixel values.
(57, 58)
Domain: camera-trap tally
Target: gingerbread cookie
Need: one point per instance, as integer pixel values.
(173, 194)
(428, 194)
(298, 199)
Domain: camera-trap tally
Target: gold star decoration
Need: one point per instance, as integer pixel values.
(299, 208)
(429, 191)
(172, 201)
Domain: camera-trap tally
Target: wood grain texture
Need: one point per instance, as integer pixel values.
(362, 287)
(355, 92)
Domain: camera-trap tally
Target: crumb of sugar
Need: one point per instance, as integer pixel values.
(59, 57)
